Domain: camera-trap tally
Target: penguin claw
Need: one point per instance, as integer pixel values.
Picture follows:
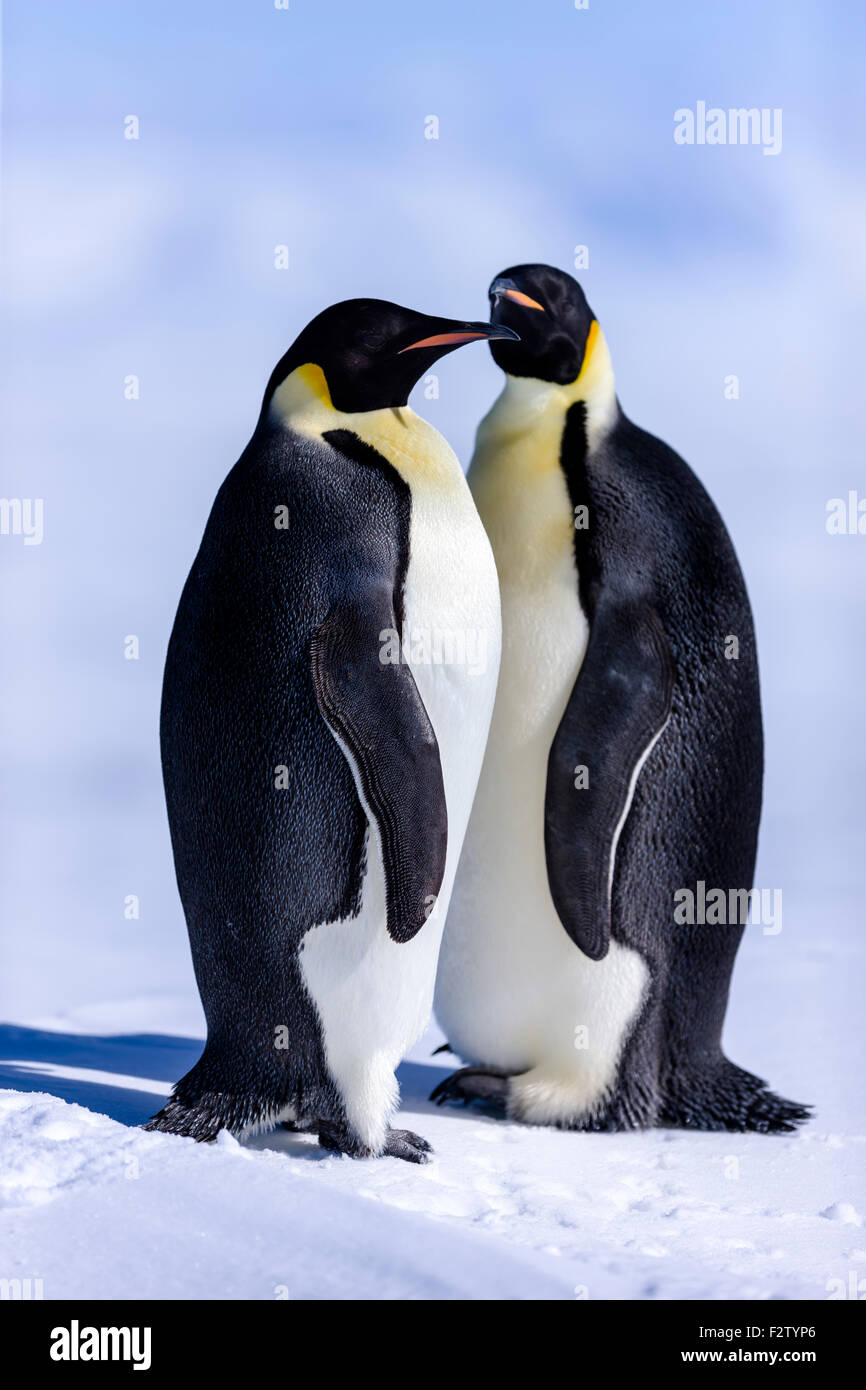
(448, 1090)
(486, 1085)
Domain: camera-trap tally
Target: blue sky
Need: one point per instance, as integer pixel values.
(306, 128)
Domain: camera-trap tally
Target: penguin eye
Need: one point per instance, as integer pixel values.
(372, 340)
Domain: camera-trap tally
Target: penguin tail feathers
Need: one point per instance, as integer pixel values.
(729, 1098)
(200, 1121)
(198, 1112)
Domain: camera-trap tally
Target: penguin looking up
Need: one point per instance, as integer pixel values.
(328, 689)
(624, 766)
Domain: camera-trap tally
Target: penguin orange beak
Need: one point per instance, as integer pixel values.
(506, 289)
(464, 333)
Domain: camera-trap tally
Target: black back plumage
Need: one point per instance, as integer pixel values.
(656, 546)
(258, 865)
(653, 529)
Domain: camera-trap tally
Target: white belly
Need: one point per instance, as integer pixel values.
(374, 995)
(513, 990)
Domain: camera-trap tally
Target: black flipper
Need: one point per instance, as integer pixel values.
(620, 703)
(374, 707)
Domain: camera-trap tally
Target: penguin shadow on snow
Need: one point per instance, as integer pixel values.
(127, 1076)
(120, 1076)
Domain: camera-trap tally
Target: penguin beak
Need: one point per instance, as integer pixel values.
(504, 288)
(463, 333)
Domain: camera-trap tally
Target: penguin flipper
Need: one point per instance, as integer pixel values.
(620, 703)
(375, 710)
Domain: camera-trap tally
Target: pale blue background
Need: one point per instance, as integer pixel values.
(155, 257)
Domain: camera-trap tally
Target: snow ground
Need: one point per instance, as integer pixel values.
(96, 1208)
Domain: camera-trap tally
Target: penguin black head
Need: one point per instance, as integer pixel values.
(549, 312)
(372, 353)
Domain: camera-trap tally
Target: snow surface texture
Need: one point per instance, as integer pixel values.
(96, 1208)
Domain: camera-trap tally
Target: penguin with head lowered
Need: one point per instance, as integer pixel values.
(624, 762)
(320, 752)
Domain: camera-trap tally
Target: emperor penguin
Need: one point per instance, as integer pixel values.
(328, 690)
(624, 765)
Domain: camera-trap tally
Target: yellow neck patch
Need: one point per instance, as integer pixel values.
(315, 380)
(595, 385)
(521, 437)
(592, 338)
(418, 452)
(595, 378)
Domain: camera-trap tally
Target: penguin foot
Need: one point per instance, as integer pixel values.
(402, 1143)
(399, 1143)
(488, 1085)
